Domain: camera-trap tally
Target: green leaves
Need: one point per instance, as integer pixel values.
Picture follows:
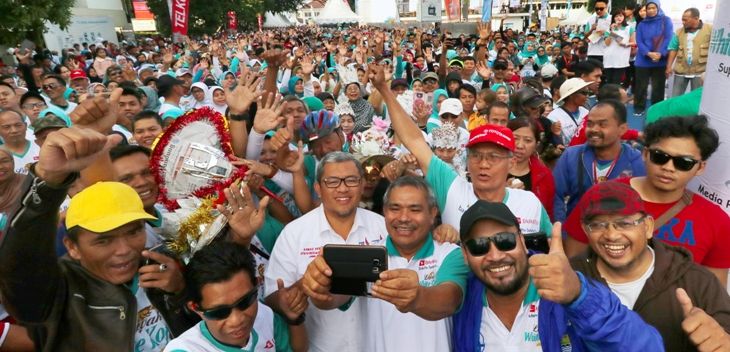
(20, 19)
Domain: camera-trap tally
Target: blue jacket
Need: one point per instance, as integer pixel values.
(568, 179)
(660, 27)
(596, 321)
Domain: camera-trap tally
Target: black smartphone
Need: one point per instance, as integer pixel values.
(354, 267)
(537, 241)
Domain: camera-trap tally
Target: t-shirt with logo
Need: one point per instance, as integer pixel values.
(267, 335)
(152, 333)
(389, 329)
(455, 195)
(701, 227)
(29, 156)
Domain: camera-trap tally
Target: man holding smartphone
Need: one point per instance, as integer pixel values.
(333, 322)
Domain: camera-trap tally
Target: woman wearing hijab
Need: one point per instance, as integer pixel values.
(652, 39)
(200, 95)
(363, 110)
(296, 86)
(153, 101)
(542, 57)
(10, 182)
(217, 99)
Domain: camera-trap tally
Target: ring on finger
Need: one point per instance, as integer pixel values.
(163, 268)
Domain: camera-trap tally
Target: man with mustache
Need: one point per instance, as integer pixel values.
(603, 157)
(677, 151)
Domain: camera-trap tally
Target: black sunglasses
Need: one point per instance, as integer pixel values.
(682, 163)
(504, 241)
(600, 8)
(223, 312)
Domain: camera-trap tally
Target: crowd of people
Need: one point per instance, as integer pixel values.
(457, 154)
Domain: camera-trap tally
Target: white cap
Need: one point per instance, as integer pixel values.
(571, 86)
(181, 72)
(452, 106)
(548, 70)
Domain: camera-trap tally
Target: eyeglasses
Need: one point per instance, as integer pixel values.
(334, 182)
(221, 313)
(584, 92)
(504, 241)
(619, 225)
(114, 72)
(682, 163)
(490, 157)
(50, 86)
(29, 106)
(600, 8)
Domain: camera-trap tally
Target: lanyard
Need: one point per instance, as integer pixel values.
(567, 62)
(596, 178)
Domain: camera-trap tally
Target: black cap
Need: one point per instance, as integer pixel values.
(165, 83)
(398, 82)
(483, 210)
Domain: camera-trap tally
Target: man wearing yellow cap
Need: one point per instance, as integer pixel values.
(100, 297)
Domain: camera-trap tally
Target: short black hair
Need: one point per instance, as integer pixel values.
(619, 109)
(603, 1)
(469, 58)
(586, 67)
(469, 88)
(693, 11)
(31, 94)
(217, 262)
(4, 84)
(497, 104)
(695, 127)
(56, 77)
(609, 91)
(126, 90)
(146, 114)
(121, 151)
(500, 64)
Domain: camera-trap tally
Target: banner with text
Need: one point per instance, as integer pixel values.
(180, 13)
(453, 10)
(429, 11)
(714, 184)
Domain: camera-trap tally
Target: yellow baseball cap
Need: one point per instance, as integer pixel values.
(105, 206)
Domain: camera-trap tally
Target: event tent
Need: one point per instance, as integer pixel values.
(377, 11)
(336, 11)
(272, 20)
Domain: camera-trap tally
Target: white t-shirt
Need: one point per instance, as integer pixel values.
(123, 130)
(299, 243)
(264, 336)
(68, 109)
(568, 124)
(629, 292)
(523, 337)
(455, 195)
(602, 24)
(28, 157)
(389, 329)
(152, 332)
(616, 55)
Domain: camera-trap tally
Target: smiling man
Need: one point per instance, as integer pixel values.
(684, 301)
(131, 164)
(146, 127)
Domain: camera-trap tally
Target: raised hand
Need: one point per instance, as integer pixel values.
(292, 300)
(551, 273)
(268, 115)
(704, 331)
(399, 287)
(484, 71)
(446, 233)
(240, 99)
(484, 29)
(98, 114)
(71, 150)
(376, 75)
(23, 56)
(243, 217)
(307, 65)
(274, 58)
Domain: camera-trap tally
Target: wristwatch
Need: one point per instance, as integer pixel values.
(298, 321)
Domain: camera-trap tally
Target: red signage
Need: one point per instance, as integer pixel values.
(141, 10)
(232, 20)
(453, 9)
(180, 14)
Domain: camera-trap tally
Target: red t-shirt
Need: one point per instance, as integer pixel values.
(701, 227)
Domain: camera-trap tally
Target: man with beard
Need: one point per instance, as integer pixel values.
(603, 157)
(333, 322)
(519, 301)
(661, 283)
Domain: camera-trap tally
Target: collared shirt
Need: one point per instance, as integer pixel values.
(455, 195)
(299, 243)
(268, 332)
(389, 329)
(523, 337)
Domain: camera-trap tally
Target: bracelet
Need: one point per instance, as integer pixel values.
(298, 321)
(238, 117)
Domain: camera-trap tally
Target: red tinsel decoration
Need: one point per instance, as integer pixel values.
(214, 189)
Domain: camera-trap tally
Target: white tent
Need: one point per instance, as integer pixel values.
(277, 20)
(377, 11)
(336, 11)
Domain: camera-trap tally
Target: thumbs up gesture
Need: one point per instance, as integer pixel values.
(704, 331)
(551, 273)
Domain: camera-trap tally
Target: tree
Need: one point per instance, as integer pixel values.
(24, 19)
(207, 17)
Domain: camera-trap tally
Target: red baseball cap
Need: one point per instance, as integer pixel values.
(499, 135)
(610, 198)
(75, 74)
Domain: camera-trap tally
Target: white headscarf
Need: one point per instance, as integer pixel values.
(209, 97)
(194, 104)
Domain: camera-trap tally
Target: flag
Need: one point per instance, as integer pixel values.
(486, 10)
(180, 13)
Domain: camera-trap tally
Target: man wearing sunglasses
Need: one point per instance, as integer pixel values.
(54, 87)
(221, 290)
(677, 150)
(573, 96)
(597, 29)
(660, 282)
(519, 300)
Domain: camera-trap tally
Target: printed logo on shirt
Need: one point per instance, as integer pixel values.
(310, 252)
(686, 237)
(371, 242)
(530, 221)
(269, 344)
(428, 280)
(565, 344)
(152, 333)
